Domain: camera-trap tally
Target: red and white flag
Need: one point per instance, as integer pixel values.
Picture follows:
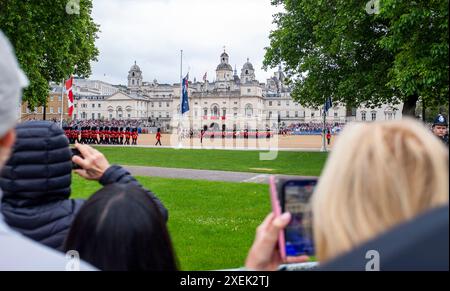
(69, 84)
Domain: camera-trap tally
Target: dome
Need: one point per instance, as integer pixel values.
(135, 67)
(248, 66)
(224, 66)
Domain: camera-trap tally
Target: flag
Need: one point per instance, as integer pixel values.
(205, 77)
(184, 95)
(328, 104)
(69, 84)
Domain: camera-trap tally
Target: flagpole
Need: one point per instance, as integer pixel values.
(324, 147)
(181, 102)
(62, 102)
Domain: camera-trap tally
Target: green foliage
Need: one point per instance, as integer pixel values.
(335, 48)
(49, 42)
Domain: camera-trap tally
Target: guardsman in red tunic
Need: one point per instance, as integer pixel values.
(127, 136)
(134, 135)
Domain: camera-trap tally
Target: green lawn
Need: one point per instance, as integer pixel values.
(212, 224)
(294, 163)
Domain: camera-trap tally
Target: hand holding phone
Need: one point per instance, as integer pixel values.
(293, 196)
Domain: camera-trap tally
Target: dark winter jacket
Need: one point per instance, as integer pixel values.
(36, 184)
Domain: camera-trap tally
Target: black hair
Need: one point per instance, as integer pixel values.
(121, 229)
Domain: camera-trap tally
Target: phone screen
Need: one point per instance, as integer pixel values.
(296, 200)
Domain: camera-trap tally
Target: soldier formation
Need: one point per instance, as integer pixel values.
(102, 135)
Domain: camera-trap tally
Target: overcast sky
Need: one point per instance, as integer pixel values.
(153, 32)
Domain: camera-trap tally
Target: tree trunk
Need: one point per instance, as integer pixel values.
(44, 112)
(409, 105)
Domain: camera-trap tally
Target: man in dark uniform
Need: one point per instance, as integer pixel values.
(440, 128)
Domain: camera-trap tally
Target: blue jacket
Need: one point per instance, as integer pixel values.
(36, 184)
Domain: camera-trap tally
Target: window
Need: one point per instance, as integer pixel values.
(270, 114)
(93, 115)
(363, 116)
(167, 114)
(152, 104)
(160, 114)
(249, 90)
(160, 104)
(374, 116)
(224, 112)
(279, 103)
(110, 116)
(99, 115)
(270, 103)
(287, 114)
(51, 110)
(167, 104)
(248, 110)
(129, 115)
(312, 114)
(205, 112)
(51, 98)
(93, 105)
(235, 103)
(287, 103)
(215, 111)
(196, 103)
(99, 105)
(335, 114)
(296, 113)
(59, 110)
(59, 98)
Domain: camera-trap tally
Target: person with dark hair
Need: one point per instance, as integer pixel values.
(36, 182)
(158, 137)
(120, 229)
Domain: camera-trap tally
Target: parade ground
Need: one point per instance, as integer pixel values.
(288, 142)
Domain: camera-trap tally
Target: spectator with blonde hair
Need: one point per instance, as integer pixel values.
(378, 176)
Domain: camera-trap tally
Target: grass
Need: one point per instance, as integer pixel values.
(293, 163)
(212, 224)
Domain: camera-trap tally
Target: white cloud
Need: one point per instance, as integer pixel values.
(153, 32)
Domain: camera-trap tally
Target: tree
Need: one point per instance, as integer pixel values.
(418, 38)
(51, 38)
(336, 48)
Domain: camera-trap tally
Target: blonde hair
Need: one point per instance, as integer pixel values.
(378, 175)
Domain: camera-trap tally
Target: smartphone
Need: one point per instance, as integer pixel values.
(294, 196)
(75, 152)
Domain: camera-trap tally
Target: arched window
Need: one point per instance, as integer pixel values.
(248, 110)
(132, 82)
(132, 74)
(215, 111)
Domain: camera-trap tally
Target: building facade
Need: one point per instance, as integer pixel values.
(232, 101)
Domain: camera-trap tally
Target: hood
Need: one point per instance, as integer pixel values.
(40, 167)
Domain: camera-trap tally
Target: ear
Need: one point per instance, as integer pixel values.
(8, 140)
